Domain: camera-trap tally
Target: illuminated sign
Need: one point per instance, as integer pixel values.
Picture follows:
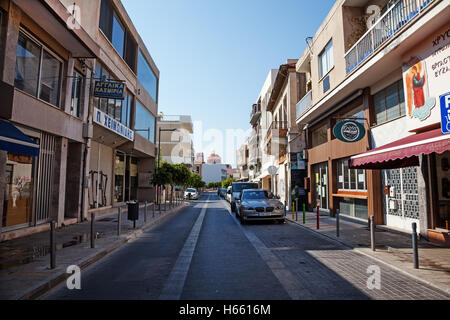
(112, 124)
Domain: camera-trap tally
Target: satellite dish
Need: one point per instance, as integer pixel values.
(272, 170)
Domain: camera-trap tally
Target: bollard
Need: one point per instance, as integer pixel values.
(337, 223)
(414, 245)
(52, 245)
(293, 210)
(285, 210)
(92, 230)
(145, 211)
(119, 220)
(154, 206)
(304, 213)
(372, 233)
(318, 218)
(296, 209)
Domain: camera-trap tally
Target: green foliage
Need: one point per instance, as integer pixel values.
(196, 181)
(163, 175)
(226, 183)
(214, 185)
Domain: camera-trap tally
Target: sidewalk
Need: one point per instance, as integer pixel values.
(25, 262)
(392, 248)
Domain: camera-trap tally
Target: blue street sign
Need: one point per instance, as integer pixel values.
(445, 113)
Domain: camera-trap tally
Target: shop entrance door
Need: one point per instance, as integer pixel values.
(321, 184)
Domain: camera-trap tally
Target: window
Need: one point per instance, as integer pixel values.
(326, 61)
(44, 83)
(147, 77)
(319, 136)
(118, 109)
(116, 33)
(350, 179)
(389, 103)
(77, 89)
(144, 123)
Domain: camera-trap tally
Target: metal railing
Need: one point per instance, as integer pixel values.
(304, 104)
(399, 15)
(276, 125)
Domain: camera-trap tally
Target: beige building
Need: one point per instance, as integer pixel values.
(52, 53)
(176, 140)
(383, 68)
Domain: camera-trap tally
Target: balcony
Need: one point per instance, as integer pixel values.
(277, 129)
(304, 104)
(255, 115)
(389, 24)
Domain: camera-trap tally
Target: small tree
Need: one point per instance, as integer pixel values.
(226, 183)
(162, 176)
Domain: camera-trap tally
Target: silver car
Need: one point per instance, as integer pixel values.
(256, 205)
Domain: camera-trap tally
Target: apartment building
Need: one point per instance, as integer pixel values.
(176, 140)
(57, 133)
(376, 80)
(242, 155)
(283, 139)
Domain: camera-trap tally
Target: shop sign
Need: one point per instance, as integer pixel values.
(349, 131)
(445, 113)
(112, 124)
(426, 75)
(109, 89)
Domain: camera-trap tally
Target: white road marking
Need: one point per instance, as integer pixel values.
(286, 278)
(175, 283)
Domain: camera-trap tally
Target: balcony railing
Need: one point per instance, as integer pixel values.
(304, 104)
(399, 15)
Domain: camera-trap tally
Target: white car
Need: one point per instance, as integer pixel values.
(191, 194)
(228, 194)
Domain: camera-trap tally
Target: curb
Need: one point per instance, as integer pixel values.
(446, 292)
(46, 285)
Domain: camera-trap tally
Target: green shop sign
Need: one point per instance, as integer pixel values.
(349, 131)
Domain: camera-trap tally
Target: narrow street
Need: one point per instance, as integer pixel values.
(203, 252)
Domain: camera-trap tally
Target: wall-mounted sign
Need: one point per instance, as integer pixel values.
(112, 124)
(109, 89)
(445, 113)
(349, 131)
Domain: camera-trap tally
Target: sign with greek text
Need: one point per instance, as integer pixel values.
(109, 89)
(112, 124)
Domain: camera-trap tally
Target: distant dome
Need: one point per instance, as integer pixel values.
(214, 159)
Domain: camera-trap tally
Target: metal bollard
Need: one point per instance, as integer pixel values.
(145, 211)
(293, 210)
(372, 233)
(337, 223)
(304, 213)
(92, 230)
(296, 209)
(52, 245)
(414, 245)
(119, 220)
(154, 206)
(318, 218)
(285, 210)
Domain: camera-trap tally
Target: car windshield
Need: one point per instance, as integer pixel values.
(255, 195)
(190, 190)
(238, 187)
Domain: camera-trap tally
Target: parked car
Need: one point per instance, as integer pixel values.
(222, 192)
(191, 194)
(228, 194)
(255, 204)
(237, 188)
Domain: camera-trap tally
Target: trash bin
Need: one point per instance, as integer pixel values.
(133, 210)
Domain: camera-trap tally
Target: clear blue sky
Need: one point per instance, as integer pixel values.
(215, 55)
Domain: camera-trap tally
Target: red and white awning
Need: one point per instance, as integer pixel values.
(403, 152)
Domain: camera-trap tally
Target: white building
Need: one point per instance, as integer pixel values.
(214, 172)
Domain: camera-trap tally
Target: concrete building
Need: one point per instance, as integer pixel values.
(214, 172)
(242, 155)
(49, 63)
(198, 163)
(177, 146)
(387, 72)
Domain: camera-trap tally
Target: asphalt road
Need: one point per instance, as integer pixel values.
(204, 253)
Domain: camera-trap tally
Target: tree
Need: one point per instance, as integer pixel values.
(196, 181)
(162, 176)
(226, 183)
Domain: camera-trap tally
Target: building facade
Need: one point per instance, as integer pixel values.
(49, 64)
(386, 72)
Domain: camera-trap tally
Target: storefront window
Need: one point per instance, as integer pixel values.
(350, 179)
(353, 207)
(18, 201)
(38, 72)
(119, 175)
